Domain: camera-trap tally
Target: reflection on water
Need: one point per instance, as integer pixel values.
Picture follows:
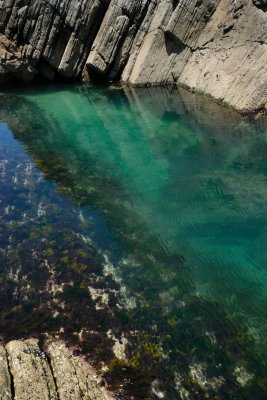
(138, 217)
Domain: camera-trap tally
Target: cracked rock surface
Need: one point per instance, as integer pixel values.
(216, 47)
(28, 373)
(74, 378)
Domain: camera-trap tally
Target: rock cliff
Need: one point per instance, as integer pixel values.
(26, 372)
(216, 47)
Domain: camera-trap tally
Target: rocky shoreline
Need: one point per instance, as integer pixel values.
(215, 47)
(52, 372)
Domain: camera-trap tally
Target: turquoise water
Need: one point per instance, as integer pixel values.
(156, 200)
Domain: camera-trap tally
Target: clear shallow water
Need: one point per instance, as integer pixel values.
(156, 198)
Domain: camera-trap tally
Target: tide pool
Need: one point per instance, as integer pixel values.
(138, 217)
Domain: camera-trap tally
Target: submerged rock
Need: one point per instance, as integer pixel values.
(217, 47)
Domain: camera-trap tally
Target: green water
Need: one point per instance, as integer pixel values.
(156, 200)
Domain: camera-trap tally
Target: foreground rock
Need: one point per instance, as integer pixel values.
(75, 380)
(31, 373)
(54, 375)
(217, 47)
(5, 384)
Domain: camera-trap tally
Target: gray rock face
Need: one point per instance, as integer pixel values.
(230, 61)
(53, 375)
(217, 47)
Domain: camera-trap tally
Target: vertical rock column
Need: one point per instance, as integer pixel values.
(113, 43)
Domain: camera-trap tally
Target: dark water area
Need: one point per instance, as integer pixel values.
(133, 225)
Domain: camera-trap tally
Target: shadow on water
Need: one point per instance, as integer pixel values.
(135, 229)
